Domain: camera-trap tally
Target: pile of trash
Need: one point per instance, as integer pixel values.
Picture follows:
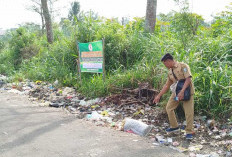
(132, 111)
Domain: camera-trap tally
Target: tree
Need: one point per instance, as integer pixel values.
(75, 9)
(53, 11)
(185, 24)
(48, 21)
(125, 20)
(222, 22)
(37, 7)
(150, 16)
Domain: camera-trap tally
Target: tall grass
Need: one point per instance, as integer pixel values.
(132, 57)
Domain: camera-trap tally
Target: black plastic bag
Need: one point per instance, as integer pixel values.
(179, 86)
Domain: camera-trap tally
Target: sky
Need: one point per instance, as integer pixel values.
(15, 12)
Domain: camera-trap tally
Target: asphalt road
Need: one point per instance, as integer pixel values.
(28, 130)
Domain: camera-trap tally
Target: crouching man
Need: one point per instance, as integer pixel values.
(178, 71)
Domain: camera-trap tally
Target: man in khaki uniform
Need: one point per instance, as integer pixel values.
(181, 71)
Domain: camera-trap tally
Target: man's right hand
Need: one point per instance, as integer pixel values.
(157, 99)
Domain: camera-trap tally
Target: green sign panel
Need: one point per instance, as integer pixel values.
(91, 57)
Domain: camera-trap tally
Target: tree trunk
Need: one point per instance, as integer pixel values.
(42, 20)
(48, 21)
(151, 16)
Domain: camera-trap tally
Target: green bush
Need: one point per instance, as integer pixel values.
(2, 45)
(131, 57)
(6, 63)
(22, 46)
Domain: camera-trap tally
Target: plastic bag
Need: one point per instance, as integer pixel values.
(179, 87)
(137, 127)
(173, 88)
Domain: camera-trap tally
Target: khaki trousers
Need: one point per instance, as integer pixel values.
(188, 110)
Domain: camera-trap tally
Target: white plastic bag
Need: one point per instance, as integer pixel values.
(137, 127)
(173, 88)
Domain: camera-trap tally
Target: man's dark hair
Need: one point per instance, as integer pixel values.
(166, 57)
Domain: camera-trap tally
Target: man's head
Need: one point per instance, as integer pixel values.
(168, 61)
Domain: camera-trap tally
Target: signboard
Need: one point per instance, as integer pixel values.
(91, 57)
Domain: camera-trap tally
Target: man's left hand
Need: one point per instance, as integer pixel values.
(181, 95)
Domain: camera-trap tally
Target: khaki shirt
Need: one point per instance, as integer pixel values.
(182, 71)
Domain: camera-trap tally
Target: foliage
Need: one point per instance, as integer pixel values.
(6, 64)
(2, 45)
(222, 22)
(22, 46)
(75, 9)
(32, 28)
(132, 56)
(185, 24)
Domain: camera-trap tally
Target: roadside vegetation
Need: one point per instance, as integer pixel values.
(132, 55)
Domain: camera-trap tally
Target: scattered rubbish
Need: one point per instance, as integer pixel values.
(51, 88)
(175, 144)
(160, 139)
(228, 154)
(94, 106)
(210, 124)
(156, 144)
(56, 104)
(90, 102)
(169, 140)
(213, 154)
(230, 134)
(201, 155)
(137, 127)
(192, 155)
(104, 113)
(71, 109)
(60, 91)
(94, 116)
(47, 103)
(179, 149)
(129, 131)
(56, 83)
(14, 86)
(68, 90)
(208, 155)
(186, 143)
(38, 82)
(131, 111)
(138, 112)
(217, 137)
(1, 83)
(3, 78)
(195, 148)
(113, 124)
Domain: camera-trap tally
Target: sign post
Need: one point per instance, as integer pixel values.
(91, 57)
(103, 52)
